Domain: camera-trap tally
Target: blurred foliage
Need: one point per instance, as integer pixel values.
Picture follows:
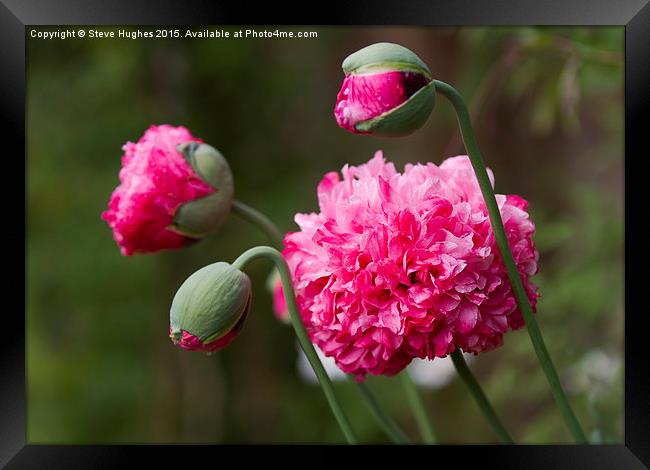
(547, 106)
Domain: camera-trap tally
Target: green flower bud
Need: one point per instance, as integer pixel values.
(209, 308)
(387, 91)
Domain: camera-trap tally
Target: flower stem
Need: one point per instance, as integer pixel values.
(479, 396)
(255, 217)
(265, 224)
(385, 422)
(534, 332)
(417, 406)
(325, 383)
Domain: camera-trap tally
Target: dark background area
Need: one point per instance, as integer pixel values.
(547, 107)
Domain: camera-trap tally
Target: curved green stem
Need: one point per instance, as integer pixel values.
(281, 265)
(387, 424)
(255, 217)
(265, 224)
(417, 406)
(534, 332)
(479, 396)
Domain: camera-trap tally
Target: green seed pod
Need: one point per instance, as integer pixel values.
(210, 306)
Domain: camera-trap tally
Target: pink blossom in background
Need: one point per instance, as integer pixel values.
(279, 303)
(155, 180)
(403, 265)
(364, 97)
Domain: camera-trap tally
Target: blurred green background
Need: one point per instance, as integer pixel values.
(547, 107)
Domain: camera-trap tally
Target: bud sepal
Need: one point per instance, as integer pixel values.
(384, 57)
(199, 217)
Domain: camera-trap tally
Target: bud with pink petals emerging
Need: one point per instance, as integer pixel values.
(387, 91)
(210, 307)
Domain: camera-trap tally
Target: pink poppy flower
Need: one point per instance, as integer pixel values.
(396, 266)
(156, 181)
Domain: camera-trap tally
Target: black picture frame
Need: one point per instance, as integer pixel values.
(634, 15)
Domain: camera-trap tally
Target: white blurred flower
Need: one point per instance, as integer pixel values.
(437, 373)
(307, 373)
(430, 374)
(595, 372)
